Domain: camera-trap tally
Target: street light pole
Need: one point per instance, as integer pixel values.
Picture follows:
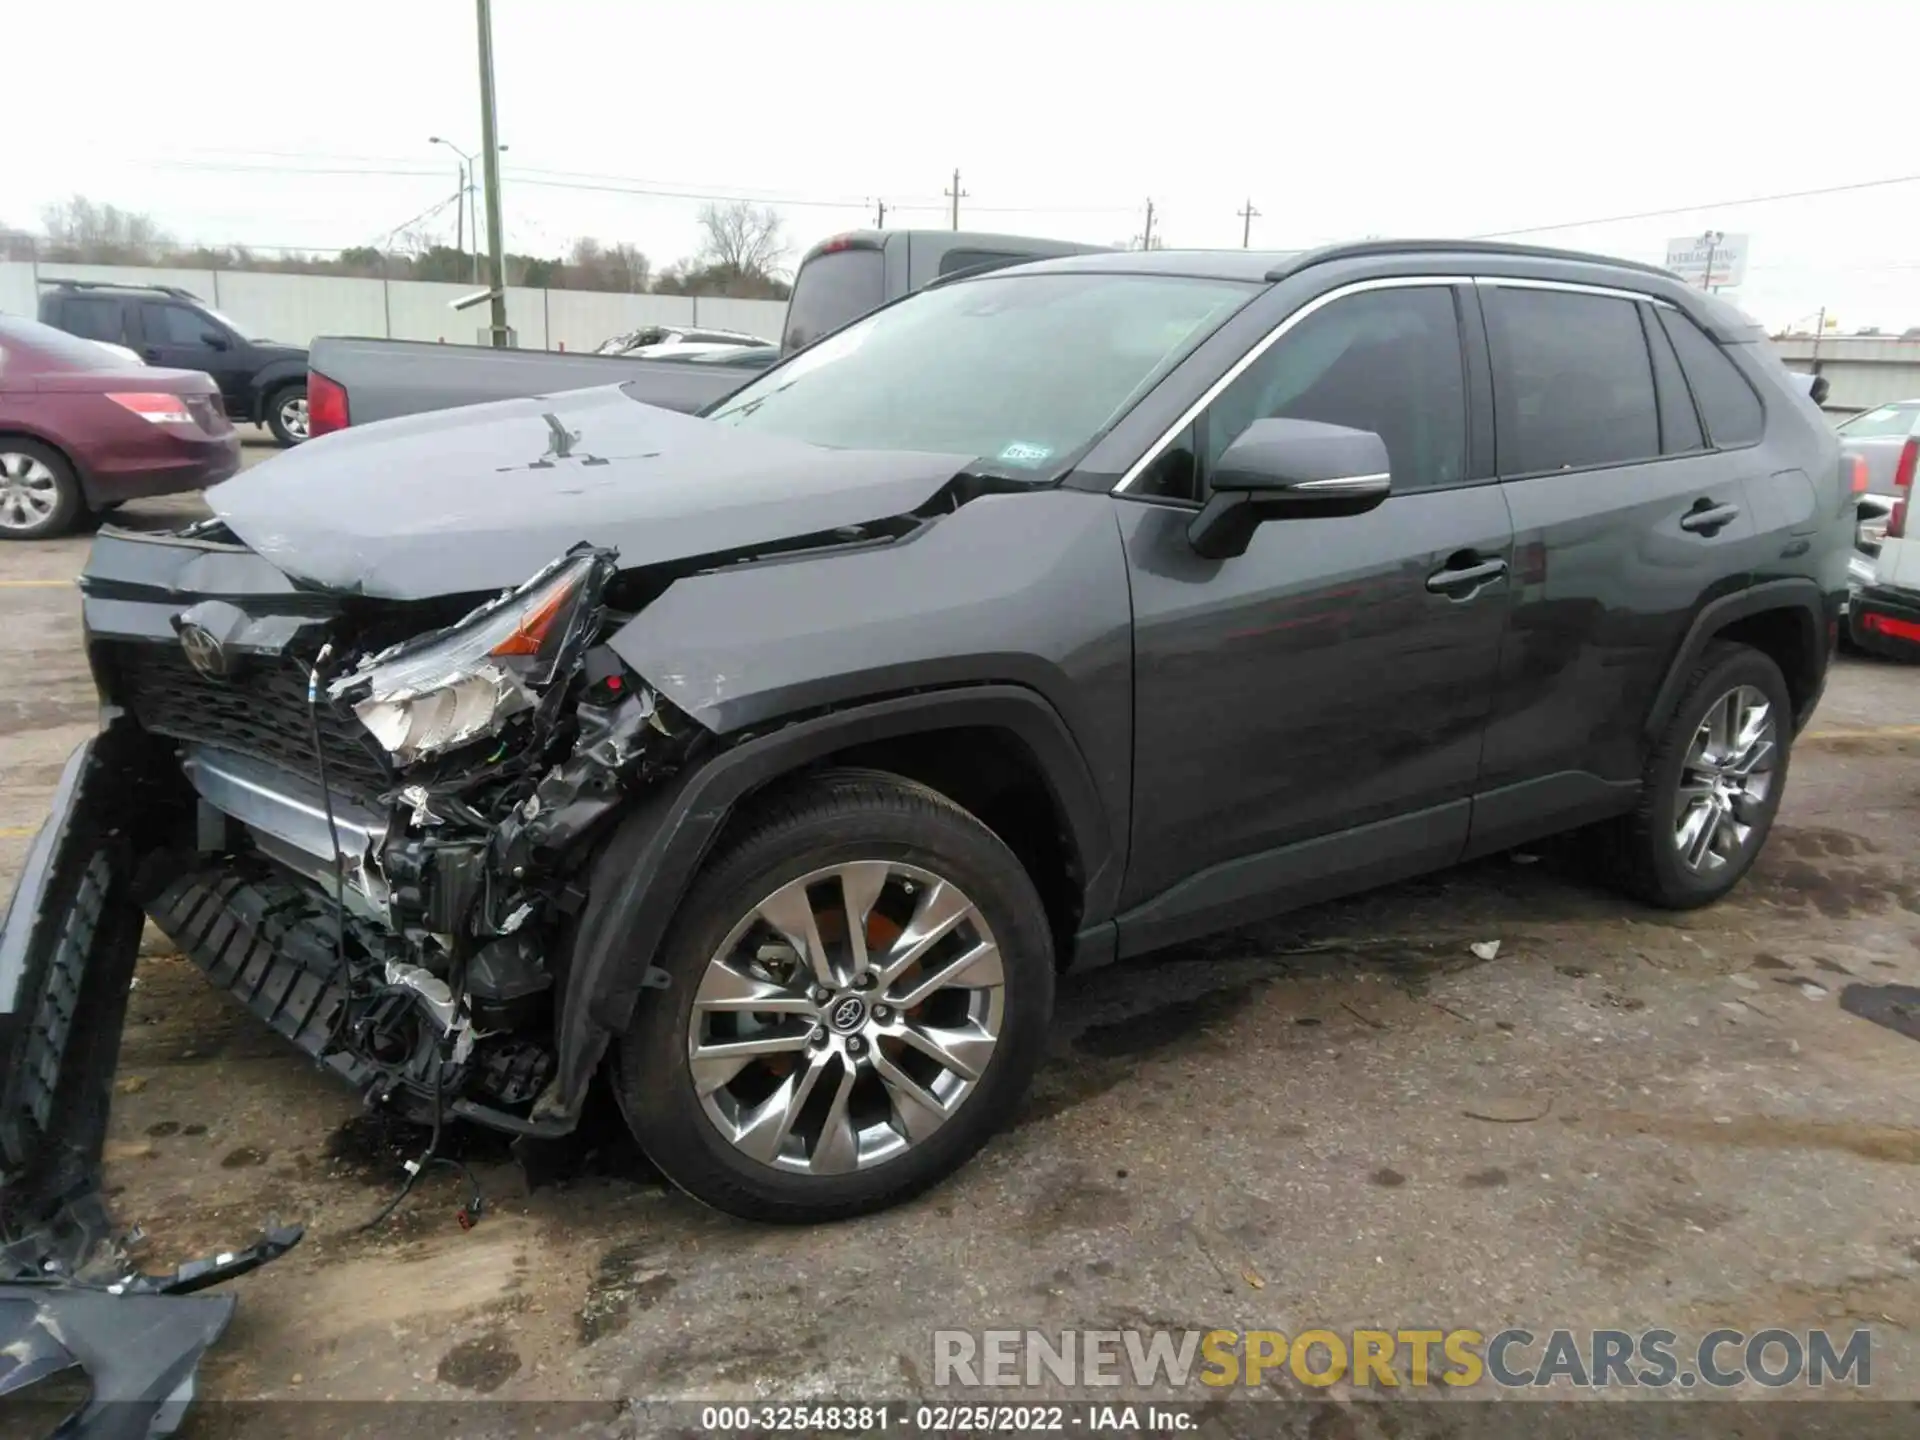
(466, 201)
(490, 157)
(1713, 239)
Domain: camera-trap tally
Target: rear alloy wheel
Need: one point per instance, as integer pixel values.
(39, 496)
(1713, 783)
(287, 414)
(860, 992)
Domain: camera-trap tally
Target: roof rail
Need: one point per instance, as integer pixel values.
(173, 290)
(1361, 248)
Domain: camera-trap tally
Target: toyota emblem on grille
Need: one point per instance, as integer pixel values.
(848, 1014)
(203, 651)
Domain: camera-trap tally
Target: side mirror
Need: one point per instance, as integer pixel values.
(214, 339)
(1288, 469)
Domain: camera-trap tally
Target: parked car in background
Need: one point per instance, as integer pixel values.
(82, 430)
(1883, 611)
(839, 280)
(660, 337)
(261, 382)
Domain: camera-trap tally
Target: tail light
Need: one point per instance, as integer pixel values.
(1903, 483)
(1857, 471)
(326, 405)
(154, 407)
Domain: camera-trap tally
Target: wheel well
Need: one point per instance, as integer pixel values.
(44, 443)
(1789, 638)
(994, 776)
(264, 394)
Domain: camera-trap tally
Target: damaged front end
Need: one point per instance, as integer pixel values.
(365, 820)
(386, 827)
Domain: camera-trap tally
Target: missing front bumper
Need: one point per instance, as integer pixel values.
(68, 1295)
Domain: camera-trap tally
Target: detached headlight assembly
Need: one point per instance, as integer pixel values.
(436, 692)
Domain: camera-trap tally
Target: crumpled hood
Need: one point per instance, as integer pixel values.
(457, 501)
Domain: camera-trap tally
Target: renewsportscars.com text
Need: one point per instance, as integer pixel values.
(1508, 1359)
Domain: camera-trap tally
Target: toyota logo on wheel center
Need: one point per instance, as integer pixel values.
(848, 1015)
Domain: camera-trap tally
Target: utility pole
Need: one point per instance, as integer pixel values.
(956, 194)
(1819, 329)
(490, 155)
(1247, 217)
(880, 215)
(1146, 236)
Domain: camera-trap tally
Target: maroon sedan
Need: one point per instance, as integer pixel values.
(82, 429)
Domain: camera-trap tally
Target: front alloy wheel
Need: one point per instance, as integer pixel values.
(860, 982)
(847, 1017)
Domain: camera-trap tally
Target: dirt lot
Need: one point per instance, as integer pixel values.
(1346, 1118)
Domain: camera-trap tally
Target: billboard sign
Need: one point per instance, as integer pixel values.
(1688, 257)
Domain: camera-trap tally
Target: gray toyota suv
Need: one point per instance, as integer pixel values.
(773, 763)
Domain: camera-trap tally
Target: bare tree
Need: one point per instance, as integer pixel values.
(594, 266)
(742, 240)
(81, 230)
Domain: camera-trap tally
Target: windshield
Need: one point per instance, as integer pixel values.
(1887, 420)
(1023, 370)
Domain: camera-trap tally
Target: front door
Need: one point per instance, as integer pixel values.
(1309, 715)
(181, 338)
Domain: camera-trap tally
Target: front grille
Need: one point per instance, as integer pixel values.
(259, 711)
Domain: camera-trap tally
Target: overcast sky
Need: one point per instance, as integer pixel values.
(307, 125)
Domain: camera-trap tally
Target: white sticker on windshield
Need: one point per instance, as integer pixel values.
(1022, 452)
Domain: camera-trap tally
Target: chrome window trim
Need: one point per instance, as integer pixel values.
(1346, 482)
(1574, 287)
(1240, 366)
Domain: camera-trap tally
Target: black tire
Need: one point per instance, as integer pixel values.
(836, 817)
(1645, 860)
(20, 518)
(277, 423)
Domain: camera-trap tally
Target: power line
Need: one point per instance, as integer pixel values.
(1690, 209)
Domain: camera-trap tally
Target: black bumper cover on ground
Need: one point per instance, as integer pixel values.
(71, 1304)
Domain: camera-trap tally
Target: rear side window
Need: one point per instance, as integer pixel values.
(1680, 432)
(1572, 382)
(830, 291)
(1727, 402)
(961, 258)
(95, 318)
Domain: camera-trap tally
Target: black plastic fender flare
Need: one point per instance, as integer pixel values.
(645, 870)
(270, 377)
(1801, 597)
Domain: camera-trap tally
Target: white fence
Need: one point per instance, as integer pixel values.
(295, 308)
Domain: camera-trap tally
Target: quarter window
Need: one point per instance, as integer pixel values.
(1727, 402)
(1388, 361)
(1572, 384)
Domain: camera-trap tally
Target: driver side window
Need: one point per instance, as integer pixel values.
(1387, 360)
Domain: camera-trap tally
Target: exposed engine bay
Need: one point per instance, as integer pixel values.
(398, 906)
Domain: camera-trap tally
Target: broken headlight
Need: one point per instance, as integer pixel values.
(434, 693)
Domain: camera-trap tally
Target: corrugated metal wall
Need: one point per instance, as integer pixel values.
(295, 308)
(1862, 370)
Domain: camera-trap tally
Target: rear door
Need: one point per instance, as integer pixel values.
(1626, 521)
(1309, 715)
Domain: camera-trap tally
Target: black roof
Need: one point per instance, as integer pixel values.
(1273, 265)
